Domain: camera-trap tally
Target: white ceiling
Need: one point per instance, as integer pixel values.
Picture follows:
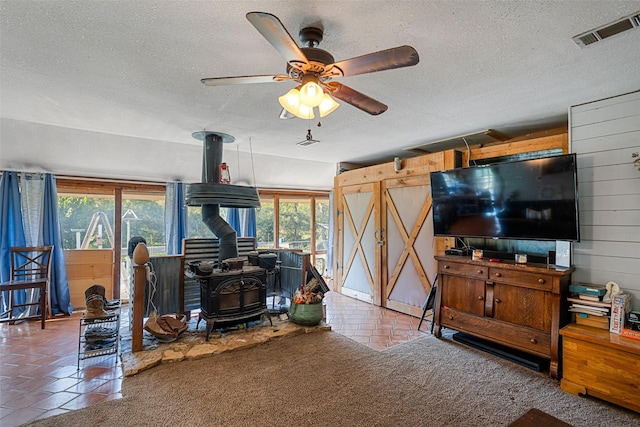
(112, 88)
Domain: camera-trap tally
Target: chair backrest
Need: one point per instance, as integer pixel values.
(28, 263)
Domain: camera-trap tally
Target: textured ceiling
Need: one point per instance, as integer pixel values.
(120, 78)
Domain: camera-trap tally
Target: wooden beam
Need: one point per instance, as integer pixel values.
(507, 148)
(117, 242)
(312, 201)
(106, 187)
(276, 221)
(139, 282)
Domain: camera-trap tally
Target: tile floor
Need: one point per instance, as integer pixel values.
(38, 369)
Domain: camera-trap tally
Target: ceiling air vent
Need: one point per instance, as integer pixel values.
(609, 30)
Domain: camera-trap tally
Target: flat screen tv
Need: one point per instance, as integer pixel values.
(526, 199)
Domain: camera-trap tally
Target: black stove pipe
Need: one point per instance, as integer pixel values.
(212, 157)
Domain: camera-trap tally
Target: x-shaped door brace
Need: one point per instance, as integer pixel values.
(357, 247)
(409, 240)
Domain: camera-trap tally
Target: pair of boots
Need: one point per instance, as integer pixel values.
(95, 301)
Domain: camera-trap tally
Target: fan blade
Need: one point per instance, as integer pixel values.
(272, 29)
(355, 98)
(241, 80)
(397, 57)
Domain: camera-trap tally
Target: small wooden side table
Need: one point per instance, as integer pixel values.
(598, 363)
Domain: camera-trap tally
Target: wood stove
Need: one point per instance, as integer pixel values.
(231, 297)
(227, 296)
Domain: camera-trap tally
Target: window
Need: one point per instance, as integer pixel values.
(298, 221)
(86, 221)
(322, 234)
(143, 215)
(295, 224)
(265, 224)
(93, 212)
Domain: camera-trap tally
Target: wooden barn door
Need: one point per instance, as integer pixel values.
(407, 263)
(358, 259)
(384, 232)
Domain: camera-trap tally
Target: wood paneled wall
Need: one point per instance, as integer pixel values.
(86, 268)
(604, 135)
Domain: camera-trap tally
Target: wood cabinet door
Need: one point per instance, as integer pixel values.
(522, 306)
(462, 293)
(408, 265)
(359, 236)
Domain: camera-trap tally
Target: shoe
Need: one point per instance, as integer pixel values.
(95, 307)
(94, 298)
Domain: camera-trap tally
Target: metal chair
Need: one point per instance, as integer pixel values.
(30, 269)
(428, 304)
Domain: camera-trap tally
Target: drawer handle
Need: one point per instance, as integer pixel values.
(541, 281)
(480, 297)
(446, 267)
(498, 275)
(498, 301)
(534, 341)
(450, 317)
(479, 271)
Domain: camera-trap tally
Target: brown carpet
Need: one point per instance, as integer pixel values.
(325, 379)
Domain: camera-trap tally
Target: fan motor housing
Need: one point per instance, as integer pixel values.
(318, 59)
(311, 36)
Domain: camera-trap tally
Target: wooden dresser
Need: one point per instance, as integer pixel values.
(519, 306)
(601, 364)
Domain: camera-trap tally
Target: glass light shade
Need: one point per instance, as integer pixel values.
(311, 94)
(304, 112)
(290, 100)
(327, 105)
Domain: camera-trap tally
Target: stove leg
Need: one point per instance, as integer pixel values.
(268, 314)
(209, 329)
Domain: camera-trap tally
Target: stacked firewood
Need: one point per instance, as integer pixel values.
(309, 293)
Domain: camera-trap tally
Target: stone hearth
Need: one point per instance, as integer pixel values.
(192, 344)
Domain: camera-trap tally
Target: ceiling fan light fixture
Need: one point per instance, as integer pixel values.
(304, 112)
(311, 94)
(327, 105)
(290, 100)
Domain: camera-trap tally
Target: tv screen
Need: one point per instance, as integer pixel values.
(525, 199)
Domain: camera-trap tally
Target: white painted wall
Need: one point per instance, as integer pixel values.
(35, 147)
(604, 134)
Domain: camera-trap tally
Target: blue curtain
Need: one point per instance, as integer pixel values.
(250, 226)
(175, 212)
(243, 221)
(59, 288)
(11, 230)
(233, 218)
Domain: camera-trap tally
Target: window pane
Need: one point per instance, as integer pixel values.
(322, 234)
(86, 222)
(196, 228)
(143, 215)
(322, 224)
(295, 225)
(264, 224)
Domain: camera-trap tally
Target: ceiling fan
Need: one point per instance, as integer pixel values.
(314, 70)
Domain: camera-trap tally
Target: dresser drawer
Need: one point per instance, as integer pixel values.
(461, 269)
(522, 338)
(514, 277)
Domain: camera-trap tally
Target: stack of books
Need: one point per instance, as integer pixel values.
(586, 302)
(632, 328)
